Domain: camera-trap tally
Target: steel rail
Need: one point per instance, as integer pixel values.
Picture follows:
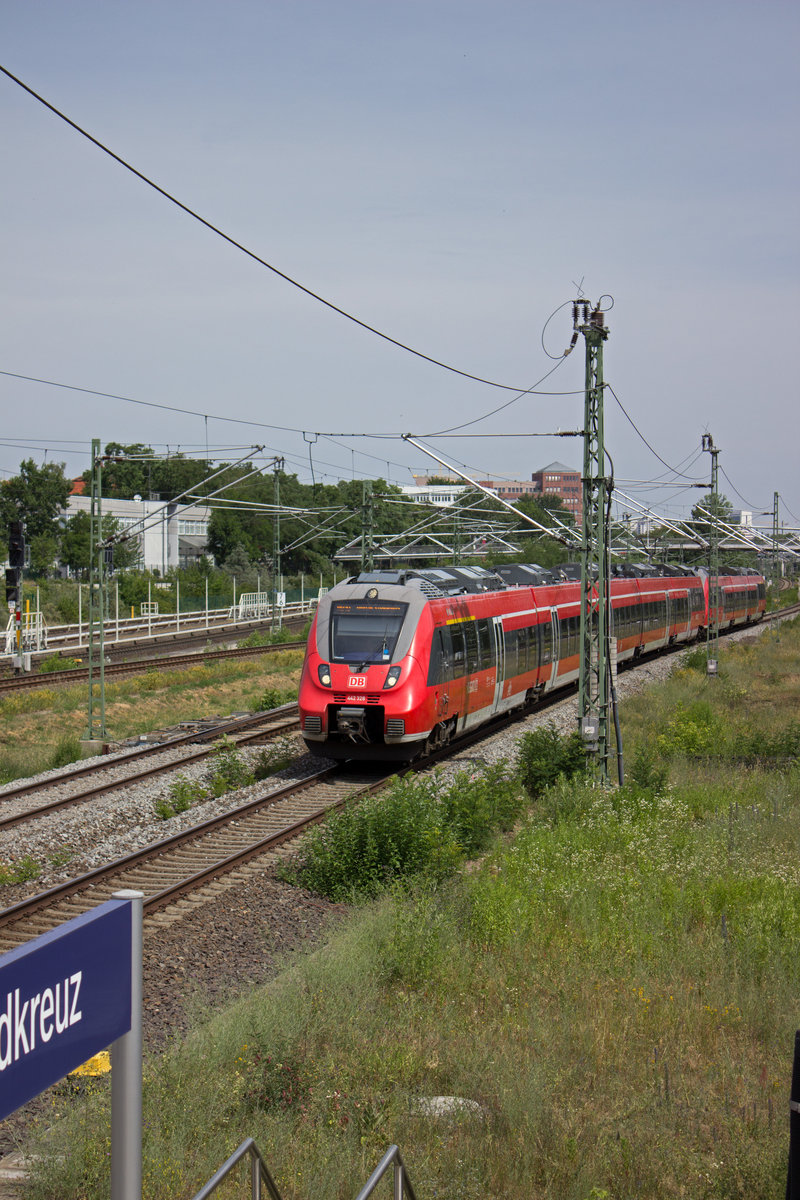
(229, 727)
(91, 793)
(12, 683)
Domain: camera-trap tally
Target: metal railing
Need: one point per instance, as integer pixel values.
(259, 1173)
(260, 1178)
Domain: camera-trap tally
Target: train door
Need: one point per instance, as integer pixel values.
(500, 660)
(551, 649)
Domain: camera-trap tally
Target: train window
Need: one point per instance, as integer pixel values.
(365, 631)
(570, 636)
(471, 645)
(526, 657)
(511, 646)
(536, 634)
(486, 644)
(546, 642)
(440, 666)
(459, 651)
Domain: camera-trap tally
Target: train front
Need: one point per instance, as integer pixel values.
(363, 691)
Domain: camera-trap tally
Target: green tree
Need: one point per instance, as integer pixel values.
(44, 550)
(134, 469)
(75, 545)
(709, 510)
(36, 496)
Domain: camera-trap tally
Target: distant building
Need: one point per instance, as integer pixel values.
(440, 494)
(557, 480)
(169, 535)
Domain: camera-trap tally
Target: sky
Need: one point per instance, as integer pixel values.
(452, 173)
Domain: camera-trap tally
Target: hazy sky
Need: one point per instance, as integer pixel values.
(447, 171)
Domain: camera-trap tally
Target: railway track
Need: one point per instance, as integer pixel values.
(124, 772)
(15, 683)
(187, 861)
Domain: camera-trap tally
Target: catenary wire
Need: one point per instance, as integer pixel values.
(250, 253)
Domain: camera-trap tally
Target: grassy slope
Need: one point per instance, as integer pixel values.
(616, 987)
(34, 724)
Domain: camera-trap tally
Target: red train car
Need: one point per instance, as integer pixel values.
(396, 663)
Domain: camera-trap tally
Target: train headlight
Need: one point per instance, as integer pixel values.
(324, 672)
(392, 677)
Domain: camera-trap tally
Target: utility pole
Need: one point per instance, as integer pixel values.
(714, 594)
(593, 686)
(276, 543)
(367, 527)
(96, 723)
(776, 574)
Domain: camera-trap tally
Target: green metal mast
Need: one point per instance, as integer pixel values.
(276, 544)
(96, 724)
(714, 594)
(776, 562)
(367, 527)
(593, 687)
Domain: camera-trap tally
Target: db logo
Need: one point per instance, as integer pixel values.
(357, 681)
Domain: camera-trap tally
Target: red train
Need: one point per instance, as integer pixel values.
(400, 661)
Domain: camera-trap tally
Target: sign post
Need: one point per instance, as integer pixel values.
(67, 995)
(126, 1076)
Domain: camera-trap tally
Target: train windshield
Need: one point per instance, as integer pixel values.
(365, 631)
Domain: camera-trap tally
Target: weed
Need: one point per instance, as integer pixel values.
(418, 826)
(648, 772)
(184, 792)
(22, 871)
(274, 758)
(68, 750)
(60, 858)
(273, 697)
(228, 770)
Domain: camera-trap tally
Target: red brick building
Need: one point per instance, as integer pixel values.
(561, 481)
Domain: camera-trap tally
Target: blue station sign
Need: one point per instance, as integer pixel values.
(63, 997)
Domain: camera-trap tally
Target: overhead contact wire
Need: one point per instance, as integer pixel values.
(250, 253)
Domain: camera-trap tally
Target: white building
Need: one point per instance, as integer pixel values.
(440, 494)
(169, 535)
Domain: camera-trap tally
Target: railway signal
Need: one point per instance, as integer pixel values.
(16, 544)
(12, 586)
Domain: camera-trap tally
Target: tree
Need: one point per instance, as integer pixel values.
(710, 510)
(76, 548)
(135, 470)
(36, 497)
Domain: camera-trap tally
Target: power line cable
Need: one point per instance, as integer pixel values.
(640, 434)
(250, 253)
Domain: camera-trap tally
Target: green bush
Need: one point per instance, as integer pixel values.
(54, 662)
(779, 743)
(418, 826)
(695, 730)
(648, 772)
(544, 755)
(273, 697)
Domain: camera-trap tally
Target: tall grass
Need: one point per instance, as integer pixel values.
(616, 988)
